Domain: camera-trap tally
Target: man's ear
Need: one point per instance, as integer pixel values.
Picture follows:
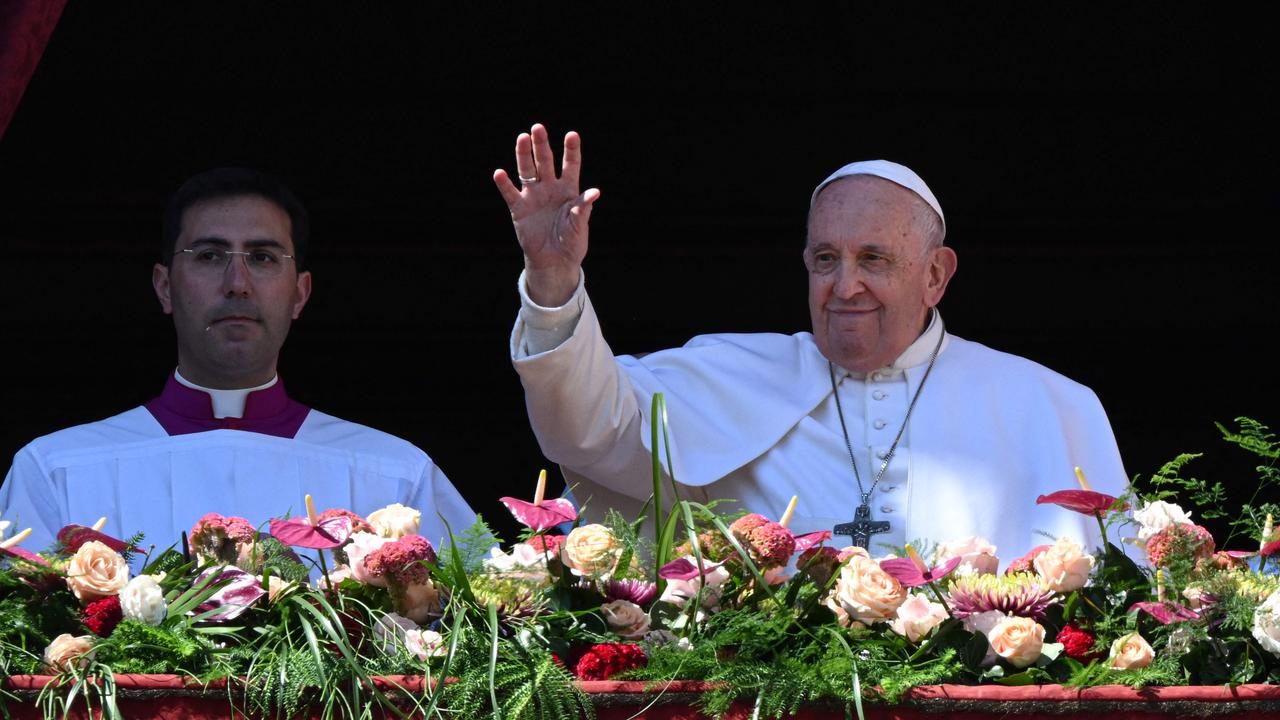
(303, 293)
(160, 281)
(942, 266)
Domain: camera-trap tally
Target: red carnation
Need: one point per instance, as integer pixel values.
(607, 659)
(101, 616)
(1077, 643)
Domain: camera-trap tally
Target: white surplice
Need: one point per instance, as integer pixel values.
(752, 417)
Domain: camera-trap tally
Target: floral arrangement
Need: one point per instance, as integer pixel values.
(309, 610)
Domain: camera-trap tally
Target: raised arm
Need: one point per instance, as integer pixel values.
(549, 214)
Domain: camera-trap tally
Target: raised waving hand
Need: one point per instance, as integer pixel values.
(549, 214)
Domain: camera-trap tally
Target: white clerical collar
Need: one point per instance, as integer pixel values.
(226, 403)
(916, 354)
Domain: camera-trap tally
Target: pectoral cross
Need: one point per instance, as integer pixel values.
(862, 527)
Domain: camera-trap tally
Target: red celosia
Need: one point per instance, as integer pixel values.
(603, 661)
(1077, 643)
(235, 528)
(358, 524)
(101, 616)
(1026, 563)
(769, 543)
(547, 544)
(402, 560)
(1163, 544)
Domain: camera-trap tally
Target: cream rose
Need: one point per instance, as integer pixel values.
(1157, 516)
(1266, 624)
(363, 543)
(975, 553)
(591, 550)
(142, 599)
(1018, 640)
(96, 571)
(626, 619)
(1064, 566)
(867, 593)
(915, 617)
(277, 586)
(67, 650)
(1131, 652)
(395, 521)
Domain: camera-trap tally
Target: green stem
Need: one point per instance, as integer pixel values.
(1101, 526)
(938, 594)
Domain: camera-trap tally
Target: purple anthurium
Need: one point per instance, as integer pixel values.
(541, 514)
(913, 572)
(73, 536)
(808, 540)
(1166, 612)
(308, 532)
(684, 569)
(236, 592)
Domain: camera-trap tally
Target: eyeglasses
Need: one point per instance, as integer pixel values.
(264, 262)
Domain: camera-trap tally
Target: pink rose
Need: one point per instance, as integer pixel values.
(1018, 640)
(973, 551)
(67, 651)
(96, 571)
(1064, 566)
(917, 616)
(361, 545)
(867, 593)
(1131, 652)
(626, 619)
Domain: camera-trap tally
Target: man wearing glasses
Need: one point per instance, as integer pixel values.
(223, 436)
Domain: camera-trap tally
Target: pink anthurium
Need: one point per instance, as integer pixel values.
(912, 571)
(806, 540)
(10, 547)
(236, 592)
(308, 532)
(1085, 501)
(684, 569)
(542, 513)
(1166, 612)
(72, 537)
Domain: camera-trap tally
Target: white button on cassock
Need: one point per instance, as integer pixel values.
(880, 424)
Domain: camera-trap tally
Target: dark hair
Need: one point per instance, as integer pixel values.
(231, 182)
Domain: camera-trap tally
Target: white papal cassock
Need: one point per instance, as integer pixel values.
(752, 417)
(158, 468)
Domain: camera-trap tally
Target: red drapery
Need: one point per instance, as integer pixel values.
(25, 27)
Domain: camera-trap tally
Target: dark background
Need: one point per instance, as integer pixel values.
(1109, 181)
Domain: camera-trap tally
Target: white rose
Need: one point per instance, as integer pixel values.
(973, 551)
(1266, 624)
(395, 521)
(626, 619)
(917, 616)
(143, 600)
(1157, 516)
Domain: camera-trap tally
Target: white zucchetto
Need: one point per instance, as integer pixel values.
(891, 171)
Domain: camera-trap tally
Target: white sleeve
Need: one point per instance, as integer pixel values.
(29, 499)
(581, 405)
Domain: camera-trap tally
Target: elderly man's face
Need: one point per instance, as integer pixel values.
(872, 279)
(231, 319)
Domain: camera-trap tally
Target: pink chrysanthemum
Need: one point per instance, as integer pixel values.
(402, 560)
(1191, 541)
(1020, 594)
(358, 524)
(640, 592)
(769, 543)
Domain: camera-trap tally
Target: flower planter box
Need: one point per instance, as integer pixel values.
(170, 697)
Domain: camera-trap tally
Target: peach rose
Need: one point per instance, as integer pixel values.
(1018, 640)
(591, 550)
(395, 521)
(626, 619)
(419, 602)
(973, 551)
(96, 571)
(1131, 652)
(867, 593)
(277, 586)
(1064, 566)
(67, 650)
(915, 617)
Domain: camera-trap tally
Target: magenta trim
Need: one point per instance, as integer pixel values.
(181, 410)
